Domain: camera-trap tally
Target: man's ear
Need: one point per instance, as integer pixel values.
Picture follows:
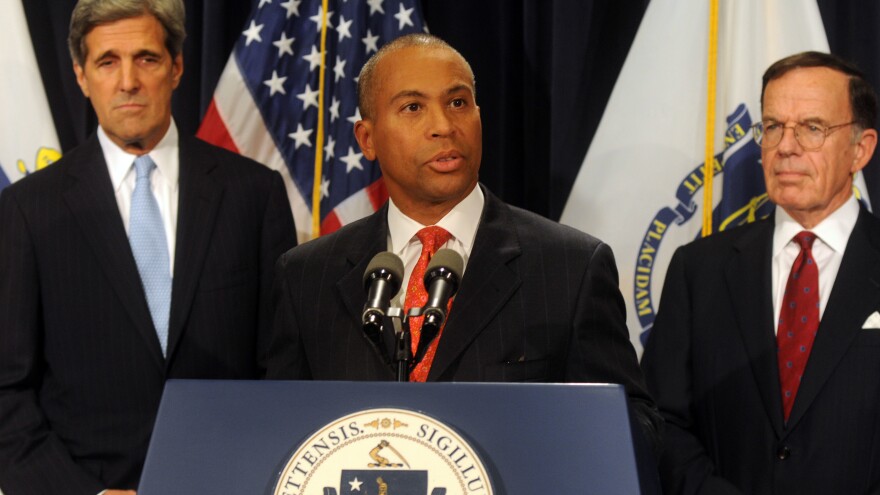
(177, 69)
(363, 132)
(865, 146)
(81, 79)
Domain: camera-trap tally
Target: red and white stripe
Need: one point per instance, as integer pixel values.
(234, 122)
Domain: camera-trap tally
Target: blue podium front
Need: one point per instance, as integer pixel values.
(366, 438)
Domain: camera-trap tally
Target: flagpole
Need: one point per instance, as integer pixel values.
(709, 162)
(319, 139)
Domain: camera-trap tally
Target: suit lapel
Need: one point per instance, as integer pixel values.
(199, 202)
(371, 237)
(748, 279)
(853, 297)
(365, 239)
(92, 203)
(487, 284)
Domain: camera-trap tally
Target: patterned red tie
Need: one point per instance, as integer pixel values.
(416, 296)
(798, 320)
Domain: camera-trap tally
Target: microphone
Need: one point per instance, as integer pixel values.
(442, 278)
(381, 281)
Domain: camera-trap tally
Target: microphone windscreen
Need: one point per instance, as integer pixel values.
(449, 259)
(388, 261)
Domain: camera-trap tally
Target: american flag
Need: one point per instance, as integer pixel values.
(269, 106)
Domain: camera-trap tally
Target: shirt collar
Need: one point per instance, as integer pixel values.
(164, 155)
(833, 231)
(462, 222)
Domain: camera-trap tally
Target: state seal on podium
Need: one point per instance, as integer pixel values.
(384, 452)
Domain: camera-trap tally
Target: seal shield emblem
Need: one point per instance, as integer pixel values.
(384, 452)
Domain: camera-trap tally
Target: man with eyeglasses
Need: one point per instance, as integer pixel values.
(765, 354)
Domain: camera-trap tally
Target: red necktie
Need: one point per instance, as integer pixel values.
(416, 296)
(798, 320)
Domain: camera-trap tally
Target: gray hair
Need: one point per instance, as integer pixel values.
(366, 79)
(91, 13)
(862, 97)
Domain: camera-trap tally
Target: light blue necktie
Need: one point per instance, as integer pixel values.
(146, 233)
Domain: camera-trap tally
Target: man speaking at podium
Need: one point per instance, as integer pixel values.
(538, 302)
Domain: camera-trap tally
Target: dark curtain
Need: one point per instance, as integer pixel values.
(852, 30)
(544, 69)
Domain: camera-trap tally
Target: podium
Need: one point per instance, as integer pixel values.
(252, 437)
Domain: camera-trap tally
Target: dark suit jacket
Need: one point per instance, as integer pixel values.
(711, 363)
(81, 369)
(539, 302)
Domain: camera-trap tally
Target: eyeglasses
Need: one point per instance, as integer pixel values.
(811, 136)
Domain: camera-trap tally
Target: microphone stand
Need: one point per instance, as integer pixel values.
(403, 342)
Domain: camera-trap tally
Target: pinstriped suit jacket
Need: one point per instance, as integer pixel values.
(711, 363)
(538, 302)
(81, 370)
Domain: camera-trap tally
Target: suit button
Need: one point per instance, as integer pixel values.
(783, 453)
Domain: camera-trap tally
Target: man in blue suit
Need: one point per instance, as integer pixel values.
(140, 256)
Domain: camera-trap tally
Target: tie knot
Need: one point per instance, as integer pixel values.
(143, 165)
(805, 240)
(433, 237)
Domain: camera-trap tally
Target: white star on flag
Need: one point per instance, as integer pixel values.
(370, 41)
(354, 118)
(309, 97)
(352, 160)
(328, 149)
(292, 7)
(284, 44)
(253, 33)
(339, 69)
(276, 84)
(313, 58)
(375, 6)
(403, 15)
(343, 28)
(334, 110)
(319, 18)
(301, 136)
(325, 187)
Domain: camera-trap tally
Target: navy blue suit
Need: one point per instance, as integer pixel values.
(81, 369)
(538, 302)
(711, 364)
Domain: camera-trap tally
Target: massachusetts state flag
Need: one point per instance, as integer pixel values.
(27, 133)
(288, 99)
(640, 188)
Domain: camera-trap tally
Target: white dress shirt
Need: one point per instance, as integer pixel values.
(462, 222)
(832, 235)
(164, 180)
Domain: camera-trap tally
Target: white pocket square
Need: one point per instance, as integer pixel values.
(873, 321)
